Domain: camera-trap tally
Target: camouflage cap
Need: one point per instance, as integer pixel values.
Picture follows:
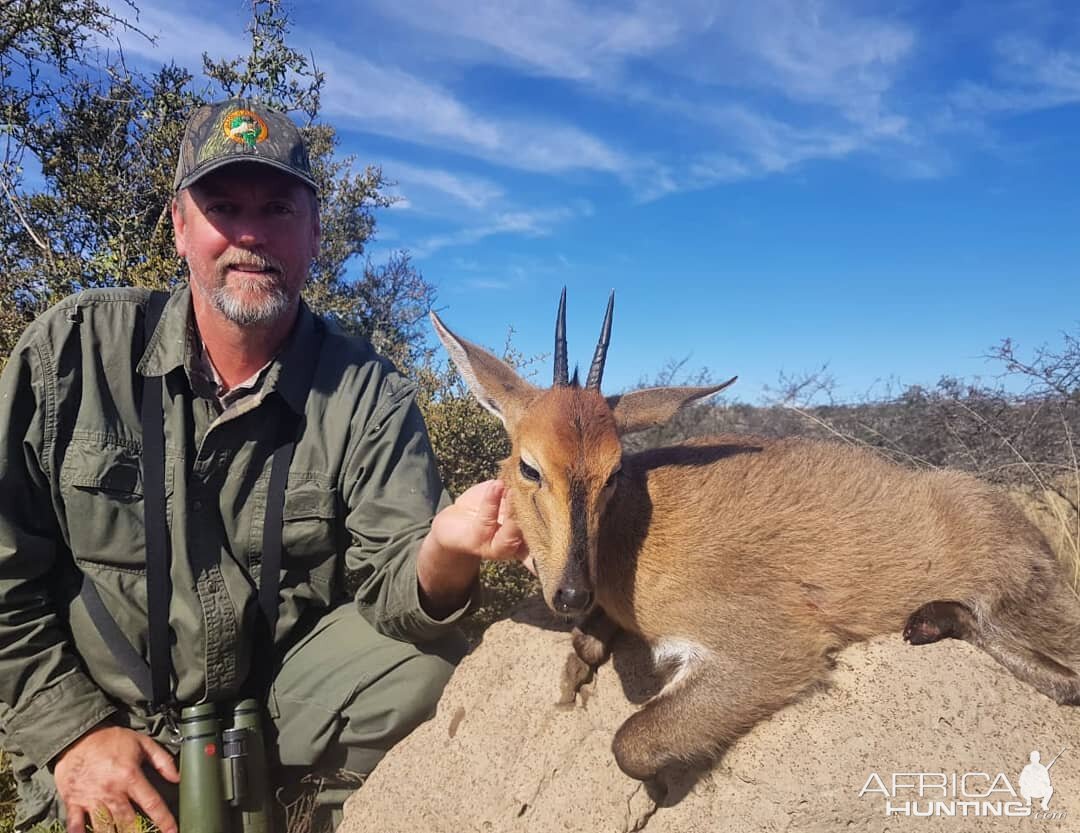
(240, 130)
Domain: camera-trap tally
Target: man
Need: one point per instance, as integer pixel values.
(245, 370)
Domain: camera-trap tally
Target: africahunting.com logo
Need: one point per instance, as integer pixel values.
(942, 794)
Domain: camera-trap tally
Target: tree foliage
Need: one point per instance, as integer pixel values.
(103, 137)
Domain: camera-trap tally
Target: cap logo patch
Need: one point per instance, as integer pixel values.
(244, 128)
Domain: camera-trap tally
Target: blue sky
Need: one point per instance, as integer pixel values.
(891, 188)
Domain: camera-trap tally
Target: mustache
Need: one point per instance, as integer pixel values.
(264, 262)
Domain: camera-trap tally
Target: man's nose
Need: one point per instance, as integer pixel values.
(249, 233)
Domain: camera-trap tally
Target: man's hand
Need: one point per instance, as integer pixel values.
(102, 772)
(477, 526)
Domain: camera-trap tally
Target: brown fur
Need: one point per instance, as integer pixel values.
(767, 555)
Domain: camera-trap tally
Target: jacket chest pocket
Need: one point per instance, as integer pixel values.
(309, 529)
(102, 488)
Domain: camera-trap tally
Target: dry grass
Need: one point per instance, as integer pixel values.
(7, 795)
(1053, 511)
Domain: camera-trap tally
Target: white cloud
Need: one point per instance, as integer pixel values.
(808, 52)
(560, 38)
(1028, 61)
(755, 145)
(775, 146)
(488, 284)
(540, 223)
(182, 36)
(818, 52)
(391, 102)
(1029, 75)
(469, 191)
(767, 84)
(478, 207)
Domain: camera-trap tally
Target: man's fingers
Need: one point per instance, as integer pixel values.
(480, 524)
(76, 819)
(160, 758)
(506, 542)
(506, 509)
(153, 805)
(123, 815)
(488, 499)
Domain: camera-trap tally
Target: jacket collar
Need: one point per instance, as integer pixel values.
(292, 370)
(174, 344)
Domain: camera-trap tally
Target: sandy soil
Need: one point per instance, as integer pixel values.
(500, 755)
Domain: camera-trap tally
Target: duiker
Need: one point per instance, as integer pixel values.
(747, 562)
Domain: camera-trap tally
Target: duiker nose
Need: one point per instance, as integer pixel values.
(572, 599)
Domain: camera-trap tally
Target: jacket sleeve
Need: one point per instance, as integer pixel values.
(392, 492)
(50, 700)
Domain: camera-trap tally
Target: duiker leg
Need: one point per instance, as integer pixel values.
(1039, 641)
(591, 639)
(712, 699)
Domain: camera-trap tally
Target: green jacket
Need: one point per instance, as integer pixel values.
(362, 490)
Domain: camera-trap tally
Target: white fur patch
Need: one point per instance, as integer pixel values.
(682, 654)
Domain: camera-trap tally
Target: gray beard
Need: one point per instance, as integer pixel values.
(245, 313)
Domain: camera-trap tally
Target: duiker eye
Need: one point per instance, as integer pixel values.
(613, 478)
(529, 473)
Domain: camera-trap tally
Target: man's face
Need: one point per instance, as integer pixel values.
(248, 233)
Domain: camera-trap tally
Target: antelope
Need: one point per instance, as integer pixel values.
(747, 562)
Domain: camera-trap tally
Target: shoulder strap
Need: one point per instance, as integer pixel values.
(129, 659)
(270, 569)
(123, 652)
(158, 578)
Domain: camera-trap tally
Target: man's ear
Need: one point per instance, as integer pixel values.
(649, 407)
(495, 384)
(317, 220)
(179, 225)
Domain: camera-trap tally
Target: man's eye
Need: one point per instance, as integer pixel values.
(219, 208)
(281, 208)
(529, 473)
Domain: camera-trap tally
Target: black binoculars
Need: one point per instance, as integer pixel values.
(224, 786)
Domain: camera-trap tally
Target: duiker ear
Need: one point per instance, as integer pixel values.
(492, 381)
(649, 407)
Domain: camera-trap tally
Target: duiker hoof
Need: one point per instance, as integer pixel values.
(591, 649)
(936, 621)
(920, 631)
